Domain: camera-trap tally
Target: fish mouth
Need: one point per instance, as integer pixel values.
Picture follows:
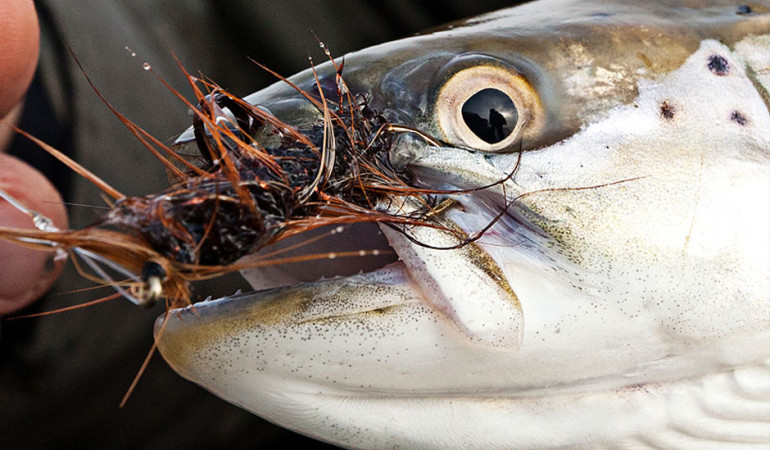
(400, 266)
(343, 250)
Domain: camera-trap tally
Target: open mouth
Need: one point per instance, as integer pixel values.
(365, 248)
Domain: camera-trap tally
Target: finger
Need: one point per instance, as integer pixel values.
(19, 45)
(26, 274)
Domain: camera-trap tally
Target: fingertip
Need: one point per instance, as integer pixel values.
(25, 274)
(19, 47)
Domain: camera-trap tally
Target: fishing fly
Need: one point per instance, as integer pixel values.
(257, 180)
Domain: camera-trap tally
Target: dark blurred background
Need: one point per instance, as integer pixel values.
(62, 377)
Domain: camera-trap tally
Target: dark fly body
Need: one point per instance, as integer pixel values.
(247, 203)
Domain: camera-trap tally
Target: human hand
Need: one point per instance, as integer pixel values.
(25, 274)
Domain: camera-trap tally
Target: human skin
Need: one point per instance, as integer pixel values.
(25, 274)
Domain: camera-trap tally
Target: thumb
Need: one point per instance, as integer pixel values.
(19, 36)
(25, 274)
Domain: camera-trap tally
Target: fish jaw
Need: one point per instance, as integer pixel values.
(636, 251)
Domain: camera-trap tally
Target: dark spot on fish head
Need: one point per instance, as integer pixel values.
(667, 110)
(739, 118)
(719, 65)
(744, 10)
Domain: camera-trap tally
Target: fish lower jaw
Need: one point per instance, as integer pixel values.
(366, 362)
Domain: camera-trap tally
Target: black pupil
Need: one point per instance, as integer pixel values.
(491, 115)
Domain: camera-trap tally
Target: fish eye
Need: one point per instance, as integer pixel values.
(488, 108)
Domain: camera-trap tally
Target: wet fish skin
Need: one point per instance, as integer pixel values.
(636, 256)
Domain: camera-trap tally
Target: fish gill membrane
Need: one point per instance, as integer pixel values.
(588, 267)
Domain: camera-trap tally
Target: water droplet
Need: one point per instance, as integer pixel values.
(332, 255)
(339, 229)
(146, 66)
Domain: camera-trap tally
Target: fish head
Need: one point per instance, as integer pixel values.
(617, 243)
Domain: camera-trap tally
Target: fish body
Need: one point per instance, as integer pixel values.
(622, 296)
